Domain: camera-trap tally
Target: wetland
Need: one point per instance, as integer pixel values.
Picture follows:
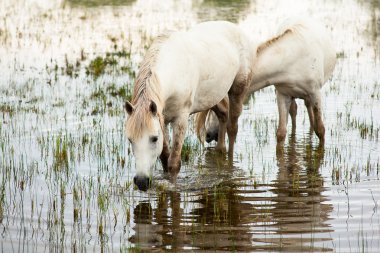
(66, 169)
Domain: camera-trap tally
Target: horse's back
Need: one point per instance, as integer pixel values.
(206, 59)
(313, 42)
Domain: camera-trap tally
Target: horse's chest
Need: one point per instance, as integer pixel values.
(176, 105)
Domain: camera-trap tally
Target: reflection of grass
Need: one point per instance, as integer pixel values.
(366, 130)
(2, 201)
(90, 198)
(4, 108)
(96, 3)
(61, 154)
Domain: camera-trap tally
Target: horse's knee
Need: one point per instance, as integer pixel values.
(281, 134)
(320, 131)
(174, 165)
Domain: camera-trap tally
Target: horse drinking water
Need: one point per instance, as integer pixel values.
(184, 73)
(298, 62)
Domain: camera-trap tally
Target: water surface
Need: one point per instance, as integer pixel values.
(66, 169)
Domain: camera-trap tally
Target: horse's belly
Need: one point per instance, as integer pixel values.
(293, 90)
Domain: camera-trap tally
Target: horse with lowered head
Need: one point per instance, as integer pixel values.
(298, 62)
(184, 73)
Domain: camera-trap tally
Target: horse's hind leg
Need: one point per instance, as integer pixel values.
(293, 113)
(179, 130)
(310, 112)
(283, 103)
(221, 111)
(319, 127)
(236, 106)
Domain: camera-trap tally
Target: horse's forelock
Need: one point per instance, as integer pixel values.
(138, 121)
(146, 89)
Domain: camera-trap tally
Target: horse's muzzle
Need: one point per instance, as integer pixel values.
(142, 182)
(211, 137)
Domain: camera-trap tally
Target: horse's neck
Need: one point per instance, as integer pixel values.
(270, 66)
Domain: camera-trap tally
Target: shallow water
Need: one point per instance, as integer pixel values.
(66, 170)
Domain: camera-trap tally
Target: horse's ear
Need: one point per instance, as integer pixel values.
(128, 108)
(153, 108)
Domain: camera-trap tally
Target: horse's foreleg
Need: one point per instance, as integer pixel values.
(283, 103)
(310, 112)
(165, 150)
(236, 106)
(319, 127)
(293, 114)
(179, 130)
(221, 111)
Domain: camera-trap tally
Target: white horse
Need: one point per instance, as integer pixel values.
(298, 62)
(184, 73)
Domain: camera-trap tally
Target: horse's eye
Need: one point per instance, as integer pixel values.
(153, 139)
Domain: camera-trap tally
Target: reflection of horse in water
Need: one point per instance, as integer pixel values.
(300, 206)
(234, 215)
(146, 235)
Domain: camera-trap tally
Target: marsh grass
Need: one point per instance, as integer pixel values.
(190, 148)
(66, 171)
(115, 61)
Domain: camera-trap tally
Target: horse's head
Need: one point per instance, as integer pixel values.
(212, 127)
(144, 131)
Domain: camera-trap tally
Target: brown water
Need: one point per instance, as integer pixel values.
(66, 170)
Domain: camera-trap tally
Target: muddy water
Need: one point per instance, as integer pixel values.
(66, 170)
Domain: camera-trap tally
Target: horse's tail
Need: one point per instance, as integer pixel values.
(200, 124)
